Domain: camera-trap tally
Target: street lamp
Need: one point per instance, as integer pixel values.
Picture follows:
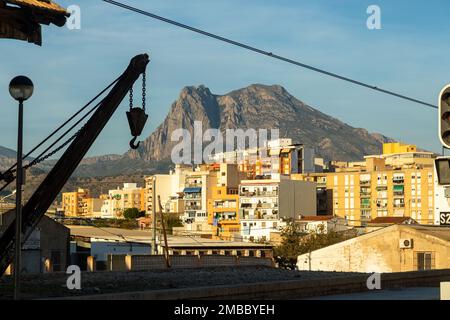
(21, 89)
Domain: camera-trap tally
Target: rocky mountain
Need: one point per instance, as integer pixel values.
(260, 107)
(256, 106)
(7, 153)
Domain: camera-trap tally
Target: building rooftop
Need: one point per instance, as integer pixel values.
(145, 236)
(393, 220)
(442, 233)
(46, 5)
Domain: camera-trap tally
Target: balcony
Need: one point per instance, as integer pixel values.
(267, 205)
(260, 217)
(365, 193)
(192, 185)
(193, 207)
(366, 215)
(399, 191)
(189, 196)
(259, 194)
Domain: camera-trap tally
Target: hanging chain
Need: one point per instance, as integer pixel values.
(131, 98)
(51, 153)
(144, 90)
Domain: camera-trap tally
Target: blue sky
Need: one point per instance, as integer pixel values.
(409, 55)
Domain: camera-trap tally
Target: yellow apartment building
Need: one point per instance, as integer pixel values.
(80, 203)
(362, 196)
(394, 184)
(73, 203)
(223, 212)
(223, 204)
(397, 147)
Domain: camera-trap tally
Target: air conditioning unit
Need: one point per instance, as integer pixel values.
(406, 243)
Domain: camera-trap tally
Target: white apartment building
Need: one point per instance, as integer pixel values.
(197, 190)
(117, 201)
(169, 187)
(264, 204)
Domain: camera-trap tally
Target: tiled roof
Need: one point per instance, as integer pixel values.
(390, 220)
(40, 4)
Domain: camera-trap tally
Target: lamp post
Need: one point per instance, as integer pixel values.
(21, 89)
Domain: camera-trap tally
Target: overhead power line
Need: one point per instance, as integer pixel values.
(269, 54)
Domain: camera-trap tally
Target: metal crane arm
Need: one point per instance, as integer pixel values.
(46, 193)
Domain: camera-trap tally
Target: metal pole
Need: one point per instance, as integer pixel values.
(19, 182)
(154, 248)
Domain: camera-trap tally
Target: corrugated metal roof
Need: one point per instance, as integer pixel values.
(40, 4)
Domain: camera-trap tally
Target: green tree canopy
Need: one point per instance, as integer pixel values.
(133, 213)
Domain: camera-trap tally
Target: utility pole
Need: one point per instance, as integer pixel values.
(166, 246)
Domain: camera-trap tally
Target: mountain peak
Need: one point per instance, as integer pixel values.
(262, 88)
(260, 106)
(200, 90)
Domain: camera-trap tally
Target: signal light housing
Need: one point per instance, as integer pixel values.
(444, 117)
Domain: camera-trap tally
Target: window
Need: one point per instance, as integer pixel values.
(55, 257)
(425, 261)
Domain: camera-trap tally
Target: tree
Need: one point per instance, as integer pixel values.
(295, 242)
(172, 220)
(132, 213)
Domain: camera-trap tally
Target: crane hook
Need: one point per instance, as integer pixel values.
(133, 143)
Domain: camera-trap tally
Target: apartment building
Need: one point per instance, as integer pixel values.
(264, 205)
(278, 156)
(92, 207)
(197, 190)
(223, 206)
(169, 187)
(117, 201)
(389, 185)
(74, 203)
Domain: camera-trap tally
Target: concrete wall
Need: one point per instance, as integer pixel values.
(149, 262)
(378, 251)
(101, 249)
